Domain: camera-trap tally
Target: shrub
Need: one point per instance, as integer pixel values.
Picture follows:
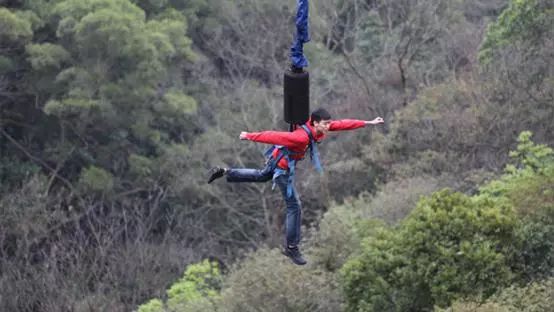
(267, 281)
(534, 297)
(96, 179)
(527, 186)
(197, 290)
(339, 234)
(396, 199)
(450, 246)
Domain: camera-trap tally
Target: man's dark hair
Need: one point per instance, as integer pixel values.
(319, 115)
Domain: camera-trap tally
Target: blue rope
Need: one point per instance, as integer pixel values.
(302, 35)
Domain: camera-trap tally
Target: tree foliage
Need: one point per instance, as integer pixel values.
(524, 21)
(199, 287)
(535, 297)
(447, 241)
(453, 246)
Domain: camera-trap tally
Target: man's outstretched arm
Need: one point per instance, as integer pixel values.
(351, 124)
(294, 139)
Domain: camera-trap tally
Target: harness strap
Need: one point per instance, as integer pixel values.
(285, 152)
(314, 153)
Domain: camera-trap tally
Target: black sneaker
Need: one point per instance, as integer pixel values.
(216, 173)
(294, 254)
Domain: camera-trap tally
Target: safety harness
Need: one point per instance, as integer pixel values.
(272, 160)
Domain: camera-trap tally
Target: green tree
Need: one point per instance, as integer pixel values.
(517, 72)
(528, 21)
(450, 246)
(92, 96)
(527, 186)
(454, 246)
(15, 26)
(199, 287)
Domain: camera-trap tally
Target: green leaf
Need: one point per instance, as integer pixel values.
(46, 56)
(14, 27)
(70, 106)
(523, 20)
(154, 305)
(6, 64)
(176, 103)
(96, 179)
(140, 165)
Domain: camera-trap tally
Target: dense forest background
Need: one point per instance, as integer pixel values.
(111, 111)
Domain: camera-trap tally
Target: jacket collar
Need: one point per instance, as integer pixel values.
(317, 137)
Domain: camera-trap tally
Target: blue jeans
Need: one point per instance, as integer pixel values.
(294, 207)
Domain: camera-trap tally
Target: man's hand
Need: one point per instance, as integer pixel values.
(242, 135)
(375, 121)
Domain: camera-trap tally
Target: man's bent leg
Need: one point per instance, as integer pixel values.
(248, 175)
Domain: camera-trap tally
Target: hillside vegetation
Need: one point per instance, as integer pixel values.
(111, 112)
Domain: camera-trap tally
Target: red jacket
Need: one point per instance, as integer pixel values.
(298, 140)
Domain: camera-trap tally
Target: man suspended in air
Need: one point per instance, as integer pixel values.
(288, 148)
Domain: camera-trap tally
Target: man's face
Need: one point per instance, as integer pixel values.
(322, 127)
